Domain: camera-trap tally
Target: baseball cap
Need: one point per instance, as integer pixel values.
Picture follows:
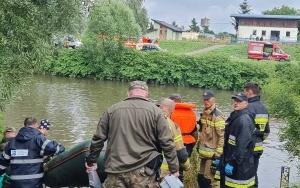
(45, 124)
(9, 129)
(240, 96)
(208, 94)
(138, 85)
(175, 96)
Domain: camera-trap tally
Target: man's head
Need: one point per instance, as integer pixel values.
(44, 126)
(9, 132)
(176, 98)
(30, 122)
(208, 99)
(168, 106)
(251, 89)
(240, 101)
(138, 88)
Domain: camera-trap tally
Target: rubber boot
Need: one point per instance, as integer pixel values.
(203, 182)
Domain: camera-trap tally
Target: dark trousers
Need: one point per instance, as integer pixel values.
(189, 148)
(256, 163)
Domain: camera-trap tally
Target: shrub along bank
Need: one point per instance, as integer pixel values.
(206, 71)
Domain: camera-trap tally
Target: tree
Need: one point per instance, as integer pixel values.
(283, 102)
(284, 10)
(26, 33)
(245, 8)
(112, 18)
(194, 27)
(140, 13)
(174, 24)
(207, 30)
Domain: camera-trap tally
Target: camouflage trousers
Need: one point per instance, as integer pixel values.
(134, 179)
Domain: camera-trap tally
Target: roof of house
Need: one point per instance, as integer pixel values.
(285, 17)
(170, 26)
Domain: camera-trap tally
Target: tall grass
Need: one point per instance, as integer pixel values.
(190, 177)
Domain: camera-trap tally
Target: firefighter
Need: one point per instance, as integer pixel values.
(210, 141)
(237, 164)
(168, 106)
(185, 117)
(261, 119)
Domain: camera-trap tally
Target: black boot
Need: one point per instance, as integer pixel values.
(203, 182)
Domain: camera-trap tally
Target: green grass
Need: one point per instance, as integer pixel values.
(190, 177)
(183, 46)
(233, 50)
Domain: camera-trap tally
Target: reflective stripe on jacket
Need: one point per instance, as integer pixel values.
(211, 136)
(182, 154)
(25, 156)
(261, 117)
(185, 118)
(238, 149)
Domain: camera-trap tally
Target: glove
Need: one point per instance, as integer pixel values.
(228, 169)
(216, 162)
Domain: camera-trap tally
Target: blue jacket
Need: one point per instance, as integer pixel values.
(25, 155)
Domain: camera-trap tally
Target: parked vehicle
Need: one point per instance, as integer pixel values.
(150, 47)
(72, 42)
(262, 50)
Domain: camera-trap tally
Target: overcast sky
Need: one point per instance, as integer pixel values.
(218, 11)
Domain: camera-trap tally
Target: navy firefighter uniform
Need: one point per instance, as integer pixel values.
(25, 155)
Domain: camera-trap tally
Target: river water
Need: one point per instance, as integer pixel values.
(74, 106)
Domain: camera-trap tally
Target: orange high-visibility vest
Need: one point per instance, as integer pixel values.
(185, 118)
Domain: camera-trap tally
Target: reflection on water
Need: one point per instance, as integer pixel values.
(74, 107)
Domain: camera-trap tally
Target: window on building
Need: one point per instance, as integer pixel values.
(254, 32)
(288, 34)
(161, 32)
(263, 32)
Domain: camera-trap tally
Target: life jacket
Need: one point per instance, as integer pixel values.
(185, 118)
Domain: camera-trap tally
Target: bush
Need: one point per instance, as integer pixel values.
(209, 71)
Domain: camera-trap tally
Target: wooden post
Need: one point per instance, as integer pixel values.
(285, 175)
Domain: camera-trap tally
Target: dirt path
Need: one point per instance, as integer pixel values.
(205, 49)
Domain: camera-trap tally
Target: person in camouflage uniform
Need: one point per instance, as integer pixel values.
(137, 133)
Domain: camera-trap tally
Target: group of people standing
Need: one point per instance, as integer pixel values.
(144, 139)
(23, 153)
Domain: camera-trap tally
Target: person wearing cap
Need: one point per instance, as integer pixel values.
(168, 106)
(25, 153)
(8, 135)
(261, 119)
(185, 117)
(237, 164)
(44, 127)
(137, 133)
(210, 141)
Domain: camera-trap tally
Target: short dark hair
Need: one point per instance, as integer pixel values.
(29, 121)
(252, 86)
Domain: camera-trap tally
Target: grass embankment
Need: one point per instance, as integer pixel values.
(183, 46)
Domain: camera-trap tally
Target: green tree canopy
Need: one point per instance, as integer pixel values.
(194, 27)
(112, 18)
(140, 13)
(26, 33)
(245, 8)
(284, 10)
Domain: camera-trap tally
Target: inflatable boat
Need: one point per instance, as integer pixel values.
(68, 168)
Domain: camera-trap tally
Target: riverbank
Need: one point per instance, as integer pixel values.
(74, 107)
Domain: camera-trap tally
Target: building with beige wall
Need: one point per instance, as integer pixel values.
(164, 31)
(282, 28)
